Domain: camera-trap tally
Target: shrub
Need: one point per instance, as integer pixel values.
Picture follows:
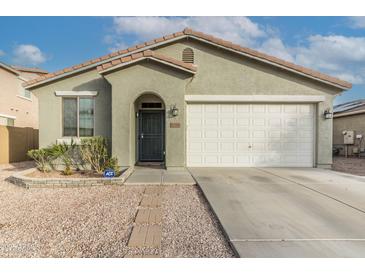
(112, 163)
(64, 152)
(42, 157)
(94, 151)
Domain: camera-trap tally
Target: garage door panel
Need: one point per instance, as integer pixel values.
(250, 135)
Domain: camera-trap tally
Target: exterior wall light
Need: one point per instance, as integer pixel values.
(327, 114)
(174, 111)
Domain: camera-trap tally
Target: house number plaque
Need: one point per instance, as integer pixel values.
(174, 125)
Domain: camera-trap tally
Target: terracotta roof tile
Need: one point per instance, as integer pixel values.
(158, 40)
(210, 38)
(147, 54)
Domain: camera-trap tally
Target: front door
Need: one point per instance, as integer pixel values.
(151, 128)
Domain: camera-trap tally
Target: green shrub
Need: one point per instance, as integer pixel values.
(112, 163)
(94, 151)
(64, 152)
(43, 158)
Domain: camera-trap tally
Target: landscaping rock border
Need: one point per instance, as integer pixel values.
(22, 180)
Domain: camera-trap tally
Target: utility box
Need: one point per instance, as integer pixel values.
(348, 137)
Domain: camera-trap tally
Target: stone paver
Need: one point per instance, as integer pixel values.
(147, 230)
(142, 256)
(153, 190)
(146, 236)
(149, 216)
(151, 201)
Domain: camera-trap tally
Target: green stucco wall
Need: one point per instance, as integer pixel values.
(50, 108)
(222, 73)
(128, 85)
(219, 73)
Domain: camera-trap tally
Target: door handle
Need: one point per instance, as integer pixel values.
(141, 135)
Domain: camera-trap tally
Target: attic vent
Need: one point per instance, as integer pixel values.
(188, 56)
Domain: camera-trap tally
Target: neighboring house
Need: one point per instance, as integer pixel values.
(18, 106)
(190, 99)
(349, 116)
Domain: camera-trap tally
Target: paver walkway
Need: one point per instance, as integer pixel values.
(146, 232)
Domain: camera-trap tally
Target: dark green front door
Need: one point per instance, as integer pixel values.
(151, 141)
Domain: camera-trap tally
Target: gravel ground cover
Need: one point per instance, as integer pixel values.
(350, 165)
(97, 221)
(77, 222)
(189, 228)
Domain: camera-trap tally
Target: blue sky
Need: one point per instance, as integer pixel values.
(333, 45)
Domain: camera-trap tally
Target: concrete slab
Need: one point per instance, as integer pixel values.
(145, 176)
(152, 176)
(346, 188)
(177, 177)
(258, 210)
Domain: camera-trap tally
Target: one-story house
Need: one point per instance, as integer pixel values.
(191, 99)
(349, 119)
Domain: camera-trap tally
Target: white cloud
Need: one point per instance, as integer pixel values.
(337, 55)
(341, 56)
(236, 29)
(2, 53)
(357, 22)
(28, 55)
(275, 46)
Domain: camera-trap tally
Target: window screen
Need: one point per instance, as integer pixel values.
(86, 117)
(70, 117)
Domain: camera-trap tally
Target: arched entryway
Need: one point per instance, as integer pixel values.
(150, 129)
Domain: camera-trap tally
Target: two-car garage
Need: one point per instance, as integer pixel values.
(250, 134)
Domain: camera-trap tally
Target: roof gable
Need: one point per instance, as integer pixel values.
(145, 55)
(203, 38)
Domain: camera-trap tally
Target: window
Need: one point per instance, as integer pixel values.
(25, 93)
(78, 117)
(151, 105)
(6, 121)
(188, 56)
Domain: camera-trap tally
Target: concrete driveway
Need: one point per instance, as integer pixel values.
(287, 212)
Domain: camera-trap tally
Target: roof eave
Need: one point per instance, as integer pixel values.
(145, 58)
(190, 35)
(64, 75)
(273, 63)
(10, 69)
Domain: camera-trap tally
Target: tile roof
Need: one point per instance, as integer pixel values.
(201, 36)
(26, 69)
(147, 54)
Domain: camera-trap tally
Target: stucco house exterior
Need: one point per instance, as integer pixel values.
(191, 99)
(18, 106)
(349, 116)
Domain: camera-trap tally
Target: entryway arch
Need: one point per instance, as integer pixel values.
(150, 129)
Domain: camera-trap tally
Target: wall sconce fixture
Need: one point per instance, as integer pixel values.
(174, 111)
(327, 114)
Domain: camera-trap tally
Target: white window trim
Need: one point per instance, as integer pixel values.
(71, 93)
(255, 98)
(78, 117)
(7, 116)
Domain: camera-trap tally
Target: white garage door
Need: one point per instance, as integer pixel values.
(250, 135)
